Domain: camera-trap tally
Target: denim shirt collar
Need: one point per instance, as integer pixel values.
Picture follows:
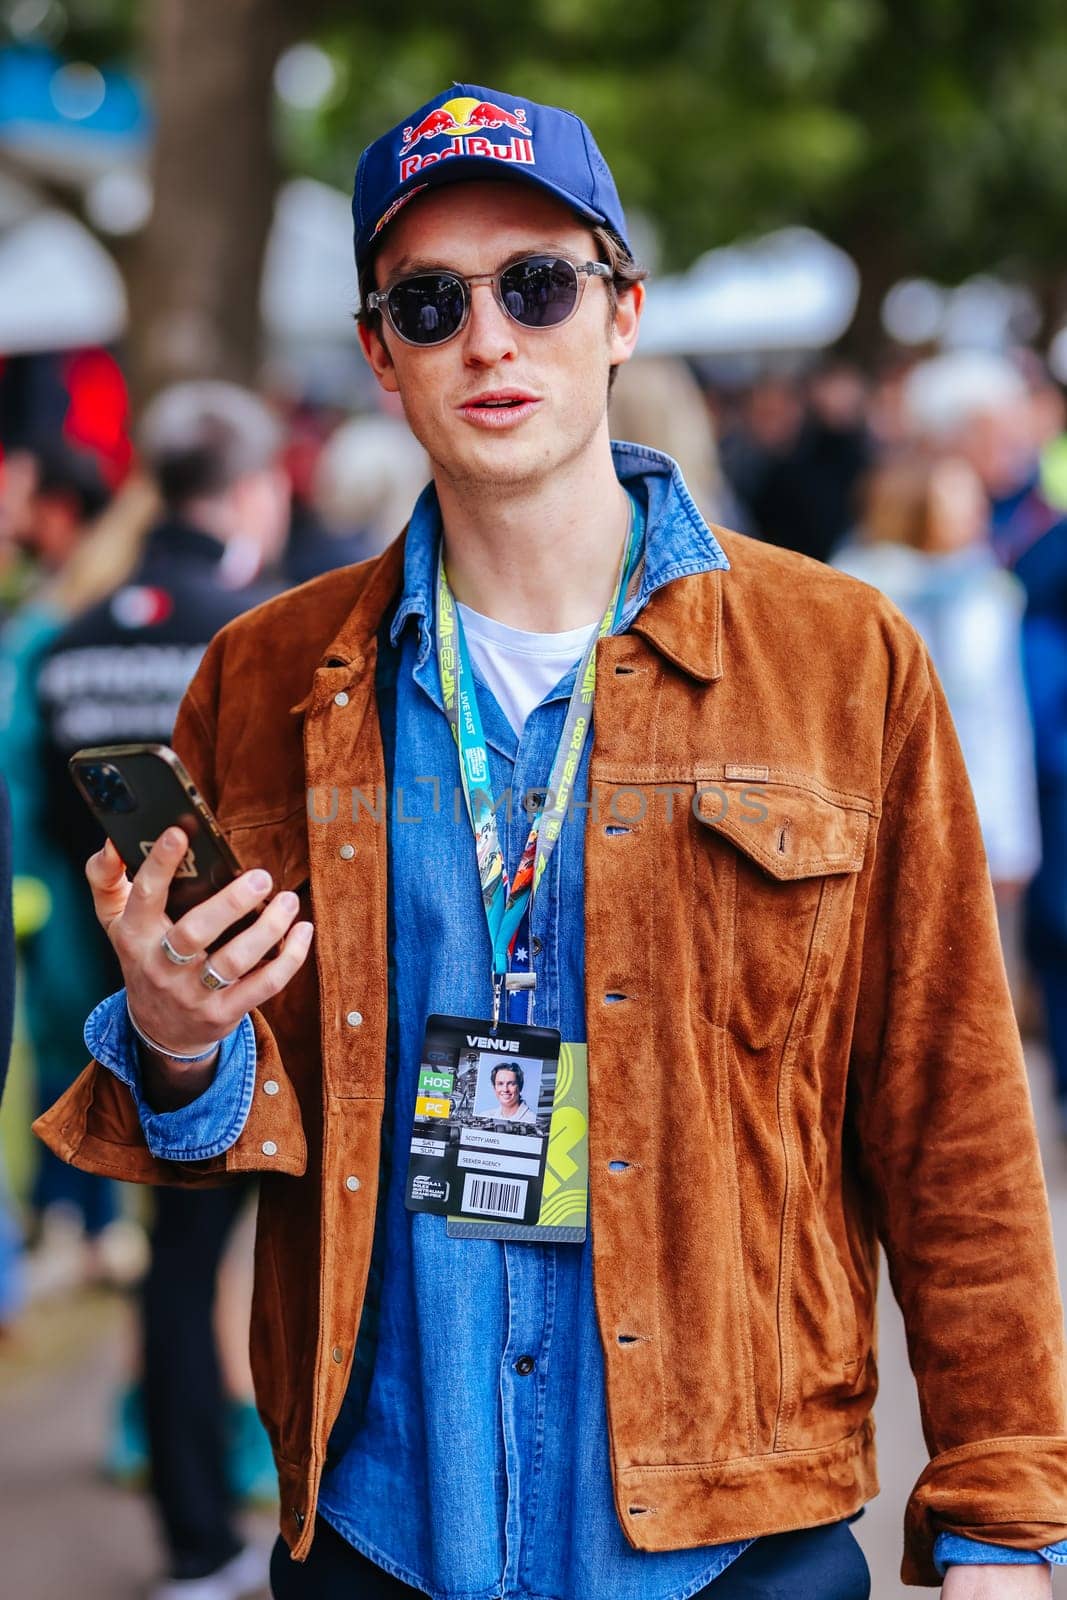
(678, 542)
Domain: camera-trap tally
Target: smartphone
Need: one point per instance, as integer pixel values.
(138, 791)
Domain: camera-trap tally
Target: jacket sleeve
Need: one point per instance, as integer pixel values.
(96, 1126)
(205, 1126)
(947, 1139)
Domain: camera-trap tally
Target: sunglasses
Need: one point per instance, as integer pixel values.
(536, 292)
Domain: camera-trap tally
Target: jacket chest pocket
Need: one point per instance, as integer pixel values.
(781, 860)
(280, 846)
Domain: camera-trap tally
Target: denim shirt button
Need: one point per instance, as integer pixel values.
(525, 1365)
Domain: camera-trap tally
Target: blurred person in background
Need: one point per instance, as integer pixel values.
(115, 675)
(656, 401)
(979, 403)
(798, 454)
(72, 1213)
(11, 1277)
(18, 481)
(923, 540)
(366, 479)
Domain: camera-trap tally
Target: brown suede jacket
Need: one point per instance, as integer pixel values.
(816, 1051)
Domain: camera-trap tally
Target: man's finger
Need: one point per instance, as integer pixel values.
(106, 872)
(199, 928)
(267, 981)
(242, 954)
(152, 881)
(106, 869)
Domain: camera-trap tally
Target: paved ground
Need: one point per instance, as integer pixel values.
(66, 1534)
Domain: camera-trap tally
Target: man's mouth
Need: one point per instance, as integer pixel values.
(499, 408)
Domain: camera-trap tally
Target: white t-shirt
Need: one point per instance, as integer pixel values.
(520, 667)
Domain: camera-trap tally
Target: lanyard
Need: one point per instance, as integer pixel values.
(506, 903)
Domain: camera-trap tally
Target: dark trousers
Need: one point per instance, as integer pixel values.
(818, 1564)
(185, 1408)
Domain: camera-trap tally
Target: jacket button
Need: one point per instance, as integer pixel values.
(346, 852)
(340, 699)
(352, 1183)
(269, 1148)
(298, 1516)
(270, 1087)
(525, 1365)
(354, 1018)
(338, 1354)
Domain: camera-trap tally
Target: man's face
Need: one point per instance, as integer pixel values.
(507, 1090)
(553, 381)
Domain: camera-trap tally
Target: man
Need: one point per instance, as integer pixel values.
(117, 674)
(507, 1083)
(767, 905)
(978, 402)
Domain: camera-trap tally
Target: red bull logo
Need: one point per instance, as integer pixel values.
(466, 123)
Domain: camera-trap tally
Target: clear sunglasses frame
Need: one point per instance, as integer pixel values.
(378, 300)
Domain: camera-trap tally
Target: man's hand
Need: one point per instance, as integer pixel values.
(998, 1583)
(170, 1002)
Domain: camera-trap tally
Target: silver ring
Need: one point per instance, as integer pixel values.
(176, 955)
(212, 979)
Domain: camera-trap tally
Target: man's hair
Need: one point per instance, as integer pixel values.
(65, 472)
(625, 273)
(198, 439)
(507, 1066)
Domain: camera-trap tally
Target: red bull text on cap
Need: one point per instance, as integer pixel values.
(463, 130)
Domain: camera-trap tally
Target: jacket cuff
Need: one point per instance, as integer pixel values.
(205, 1127)
(1009, 1492)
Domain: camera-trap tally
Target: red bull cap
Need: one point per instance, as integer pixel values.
(472, 132)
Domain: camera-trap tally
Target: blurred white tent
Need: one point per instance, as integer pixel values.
(790, 290)
(308, 294)
(59, 287)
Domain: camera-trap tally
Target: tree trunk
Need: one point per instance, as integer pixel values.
(195, 284)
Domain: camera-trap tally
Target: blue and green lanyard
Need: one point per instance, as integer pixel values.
(506, 904)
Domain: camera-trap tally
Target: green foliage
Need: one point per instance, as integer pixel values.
(926, 134)
(923, 134)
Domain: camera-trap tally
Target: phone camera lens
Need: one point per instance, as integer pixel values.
(109, 788)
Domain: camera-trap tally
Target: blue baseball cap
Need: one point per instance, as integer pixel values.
(472, 132)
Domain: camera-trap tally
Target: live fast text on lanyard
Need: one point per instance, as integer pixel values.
(506, 904)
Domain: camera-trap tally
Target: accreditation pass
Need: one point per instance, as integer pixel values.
(483, 1111)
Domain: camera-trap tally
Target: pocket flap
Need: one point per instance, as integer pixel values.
(281, 847)
(788, 830)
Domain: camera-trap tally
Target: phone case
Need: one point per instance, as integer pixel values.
(136, 792)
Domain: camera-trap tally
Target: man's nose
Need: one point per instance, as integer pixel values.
(489, 336)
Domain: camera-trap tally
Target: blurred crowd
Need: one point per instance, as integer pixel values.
(117, 567)
(941, 480)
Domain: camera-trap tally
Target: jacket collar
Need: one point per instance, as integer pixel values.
(678, 608)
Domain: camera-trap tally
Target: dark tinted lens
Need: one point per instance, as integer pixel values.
(428, 309)
(539, 292)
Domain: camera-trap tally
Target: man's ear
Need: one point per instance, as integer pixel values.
(627, 321)
(379, 360)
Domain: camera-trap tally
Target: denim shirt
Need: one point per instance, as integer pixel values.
(455, 1466)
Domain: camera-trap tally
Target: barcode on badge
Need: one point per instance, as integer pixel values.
(493, 1196)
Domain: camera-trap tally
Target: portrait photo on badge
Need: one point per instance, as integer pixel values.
(508, 1088)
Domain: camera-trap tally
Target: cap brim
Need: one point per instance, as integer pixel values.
(463, 169)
